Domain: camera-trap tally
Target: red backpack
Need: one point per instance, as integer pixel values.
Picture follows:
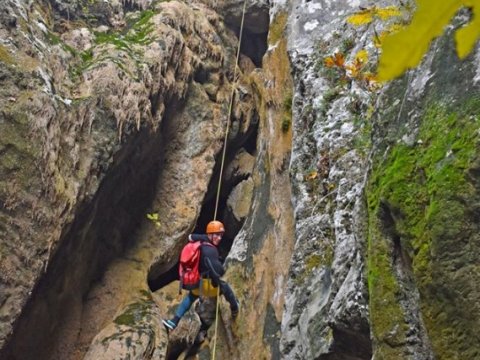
(188, 268)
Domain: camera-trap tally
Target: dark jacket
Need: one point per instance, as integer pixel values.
(210, 264)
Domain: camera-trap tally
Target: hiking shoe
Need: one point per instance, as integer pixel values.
(201, 336)
(169, 324)
(235, 311)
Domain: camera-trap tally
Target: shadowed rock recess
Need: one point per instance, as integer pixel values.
(352, 209)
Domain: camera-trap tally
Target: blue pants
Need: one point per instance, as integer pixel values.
(188, 300)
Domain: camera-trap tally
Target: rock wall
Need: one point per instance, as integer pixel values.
(326, 314)
(350, 207)
(423, 202)
(376, 174)
(110, 115)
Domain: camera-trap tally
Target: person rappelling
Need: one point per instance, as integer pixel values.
(201, 252)
(200, 272)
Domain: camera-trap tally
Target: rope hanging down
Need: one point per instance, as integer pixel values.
(229, 111)
(223, 160)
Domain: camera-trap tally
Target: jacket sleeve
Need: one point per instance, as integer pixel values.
(212, 262)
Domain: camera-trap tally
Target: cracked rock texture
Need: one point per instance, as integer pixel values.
(371, 200)
(351, 208)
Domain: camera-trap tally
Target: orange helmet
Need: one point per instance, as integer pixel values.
(215, 227)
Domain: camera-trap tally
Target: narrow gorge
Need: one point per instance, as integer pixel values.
(351, 206)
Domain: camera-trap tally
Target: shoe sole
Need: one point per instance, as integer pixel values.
(167, 325)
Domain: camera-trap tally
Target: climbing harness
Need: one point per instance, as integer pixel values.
(223, 161)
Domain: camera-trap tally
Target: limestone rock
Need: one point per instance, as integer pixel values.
(241, 167)
(136, 334)
(84, 125)
(240, 199)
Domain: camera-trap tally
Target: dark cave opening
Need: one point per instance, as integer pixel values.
(254, 46)
(249, 143)
(206, 215)
(246, 142)
(256, 25)
(102, 230)
(114, 238)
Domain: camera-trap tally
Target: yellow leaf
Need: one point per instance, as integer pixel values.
(378, 40)
(366, 16)
(362, 56)
(405, 49)
(336, 60)
(329, 62)
(388, 12)
(361, 18)
(152, 216)
(352, 71)
(312, 175)
(339, 59)
(370, 77)
(467, 36)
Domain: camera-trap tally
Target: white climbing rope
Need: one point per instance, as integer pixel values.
(223, 162)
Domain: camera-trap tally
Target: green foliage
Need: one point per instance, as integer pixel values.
(423, 185)
(154, 217)
(347, 45)
(328, 97)
(404, 50)
(86, 55)
(55, 40)
(331, 94)
(137, 33)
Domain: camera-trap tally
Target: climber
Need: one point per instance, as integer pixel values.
(211, 269)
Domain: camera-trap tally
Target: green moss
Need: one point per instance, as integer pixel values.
(18, 151)
(425, 187)
(287, 112)
(277, 28)
(363, 139)
(133, 314)
(287, 102)
(316, 260)
(347, 45)
(328, 97)
(237, 278)
(286, 124)
(5, 56)
(137, 33)
(312, 262)
(386, 315)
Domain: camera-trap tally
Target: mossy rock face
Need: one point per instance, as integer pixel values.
(430, 192)
(136, 332)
